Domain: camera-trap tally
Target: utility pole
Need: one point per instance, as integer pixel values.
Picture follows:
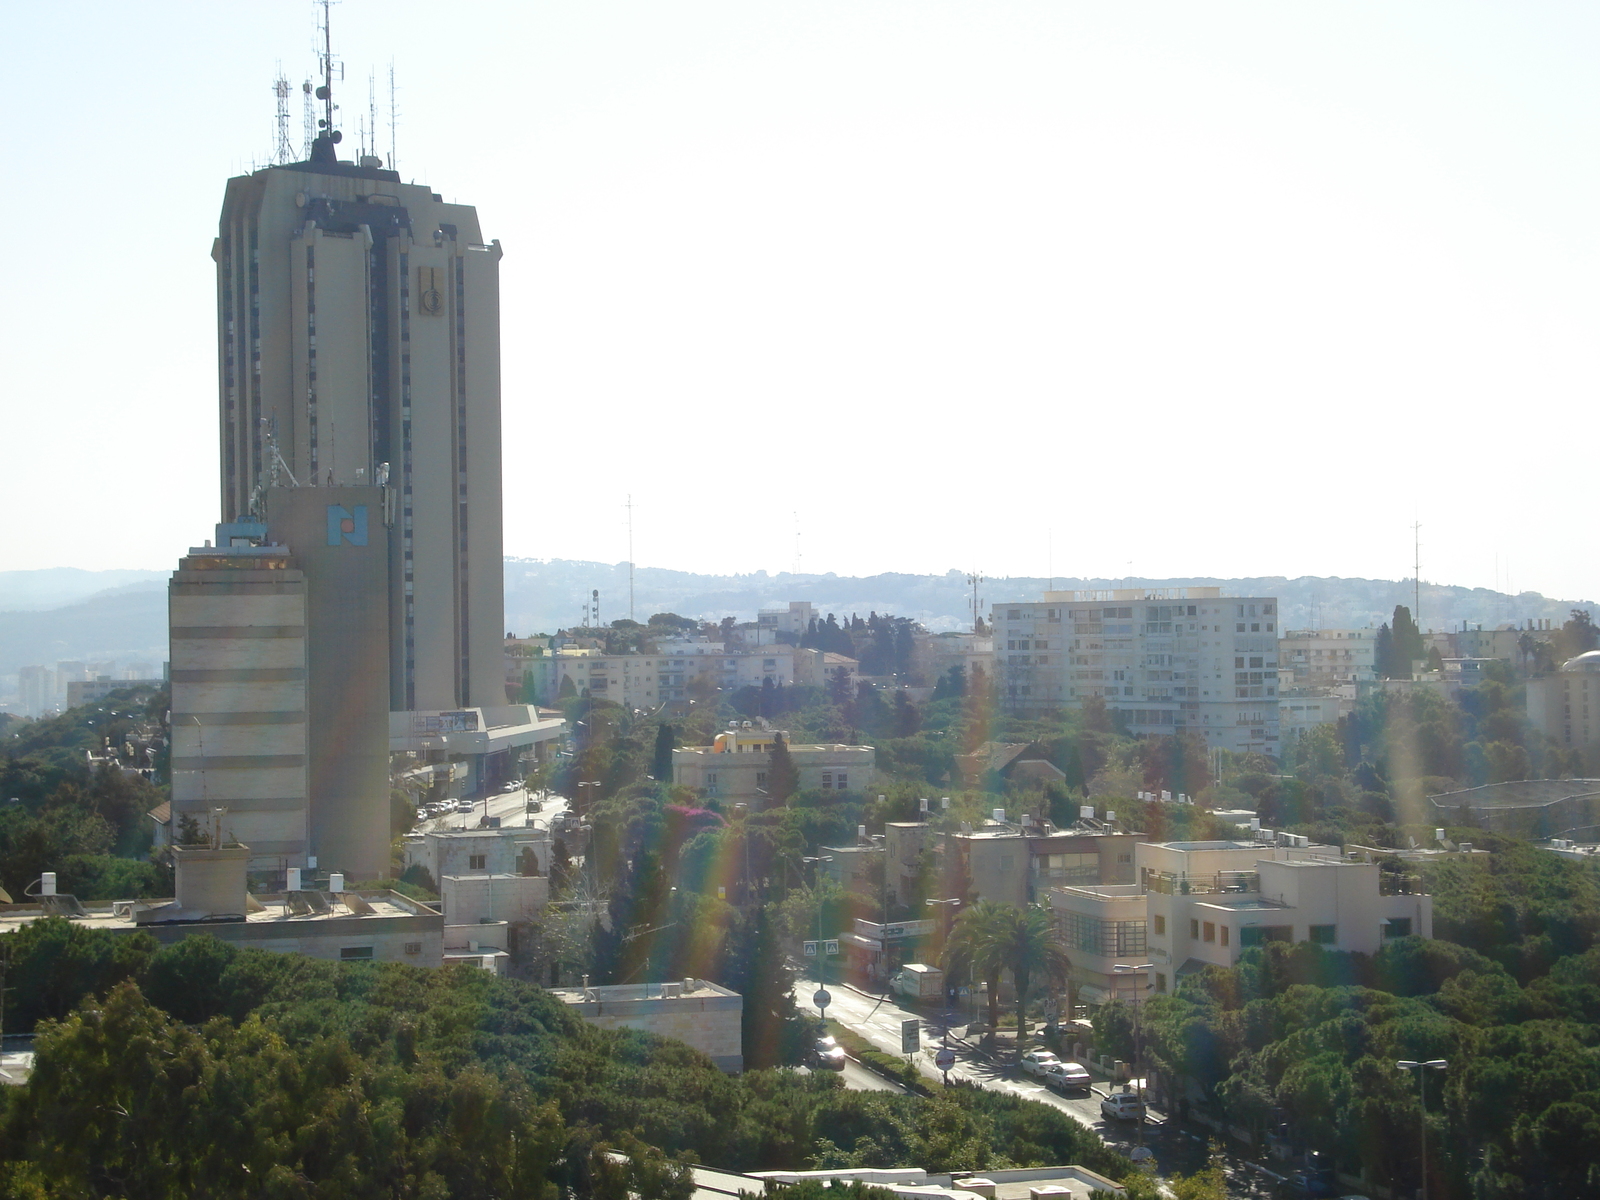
(1416, 574)
(975, 578)
(629, 507)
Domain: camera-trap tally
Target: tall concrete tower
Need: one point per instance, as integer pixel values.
(358, 340)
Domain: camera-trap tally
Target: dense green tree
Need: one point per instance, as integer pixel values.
(783, 777)
(661, 760)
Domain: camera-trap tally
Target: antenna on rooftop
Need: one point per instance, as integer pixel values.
(629, 507)
(325, 92)
(394, 119)
(1416, 575)
(372, 115)
(284, 152)
(308, 115)
(974, 579)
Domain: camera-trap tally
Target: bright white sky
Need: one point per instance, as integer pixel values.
(1098, 289)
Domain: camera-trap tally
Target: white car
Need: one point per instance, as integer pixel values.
(1067, 1077)
(1038, 1062)
(1122, 1106)
(464, 806)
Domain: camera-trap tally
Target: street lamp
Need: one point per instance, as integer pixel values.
(1138, 1038)
(1422, 1069)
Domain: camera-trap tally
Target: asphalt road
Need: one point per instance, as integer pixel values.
(510, 807)
(877, 1018)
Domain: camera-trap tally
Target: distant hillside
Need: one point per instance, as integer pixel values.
(543, 596)
(125, 624)
(30, 591)
(127, 621)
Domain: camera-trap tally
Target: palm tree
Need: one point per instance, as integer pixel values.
(990, 938)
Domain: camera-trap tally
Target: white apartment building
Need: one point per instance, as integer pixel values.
(1164, 660)
(1199, 904)
(1328, 657)
(1566, 706)
(647, 680)
(1303, 709)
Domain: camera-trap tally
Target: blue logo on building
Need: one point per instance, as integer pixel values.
(347, 526)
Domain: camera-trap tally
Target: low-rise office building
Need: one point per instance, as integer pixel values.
(736, 765)
(1320, 658)
(211, 898)
(697, 1011)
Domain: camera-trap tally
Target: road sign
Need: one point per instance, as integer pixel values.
(910, 1036)
(945, 1059)
(809, 949)
(830, 947)
(821, 998)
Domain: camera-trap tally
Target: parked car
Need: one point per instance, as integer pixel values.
(512, 787)
(1067, 1077)
(1037, 1062)
(1122, 1106)
(828, 1055)
(464, 806)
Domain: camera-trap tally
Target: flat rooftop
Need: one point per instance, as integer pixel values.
(615, 993)
(119, 914)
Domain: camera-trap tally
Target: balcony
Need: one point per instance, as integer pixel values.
(1170, 883)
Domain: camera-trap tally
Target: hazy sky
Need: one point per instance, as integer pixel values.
(1160, 289)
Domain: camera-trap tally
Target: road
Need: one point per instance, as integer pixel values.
(510, 807)
(877, 1018)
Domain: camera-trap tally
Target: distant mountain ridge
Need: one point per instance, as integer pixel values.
(127, 621)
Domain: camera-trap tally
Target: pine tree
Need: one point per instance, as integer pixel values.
(661, 762)
(783, 777)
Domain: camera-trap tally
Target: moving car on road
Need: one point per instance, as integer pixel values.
(1122, 1106)
(828, 1055)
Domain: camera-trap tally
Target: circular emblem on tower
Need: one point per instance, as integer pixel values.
(431, 301)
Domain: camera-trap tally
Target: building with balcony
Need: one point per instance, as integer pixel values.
(1205, 903)
(1164, 660)
(1322, 658)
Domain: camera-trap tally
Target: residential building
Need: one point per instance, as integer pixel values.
(1565, 706)
(359, 347)
(36, 687)
(1018, 864)
(1321, 658)
(1303, 709)
(793, 620)
(522, 850)
(735, 765)
(676, 673)
(1164, 660)
(697, 1011)
(1205, 903)
(934, 654)
(821, 668)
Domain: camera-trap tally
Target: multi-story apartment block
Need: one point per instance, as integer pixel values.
(679, 672)
(1328, 657)
(1566, 706)
(1163, 660)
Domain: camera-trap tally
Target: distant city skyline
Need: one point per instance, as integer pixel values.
(1155, 292)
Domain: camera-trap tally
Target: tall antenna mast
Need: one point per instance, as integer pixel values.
(630, 555)
(308, 114)
(284, 152)
(975, 579)
(394, 115)
(372, 113)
